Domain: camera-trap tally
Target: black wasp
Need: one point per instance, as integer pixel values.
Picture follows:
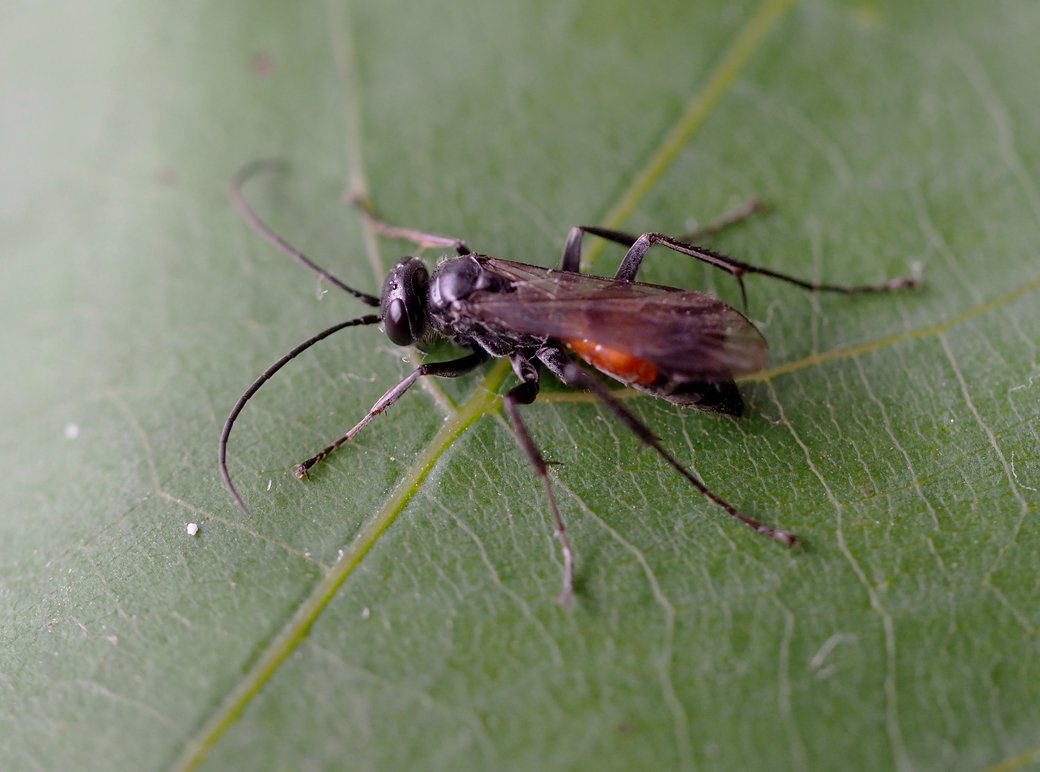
(685, 347)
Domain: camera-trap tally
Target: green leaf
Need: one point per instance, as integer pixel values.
(397, 610)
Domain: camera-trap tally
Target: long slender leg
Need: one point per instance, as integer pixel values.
(450, 369)
(421, 239)
(634, 257)
(726, 220)
(639, 245)
(571, 374)
(524, 394)
(572, 247)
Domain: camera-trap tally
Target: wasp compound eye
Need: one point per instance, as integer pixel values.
(404, 301)
(395, 322)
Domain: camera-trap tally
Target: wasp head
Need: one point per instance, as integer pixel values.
(403, 301)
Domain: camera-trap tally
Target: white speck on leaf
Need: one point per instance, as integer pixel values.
(192, 529)
(1024, 385)
(71, 431)
(1015, 474)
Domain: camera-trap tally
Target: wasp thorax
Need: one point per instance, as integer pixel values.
(457, 279)
(403, 302)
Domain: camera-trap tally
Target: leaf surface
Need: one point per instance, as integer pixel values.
(397, 611)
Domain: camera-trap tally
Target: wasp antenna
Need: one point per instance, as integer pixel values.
(251, 217)
(264, 377)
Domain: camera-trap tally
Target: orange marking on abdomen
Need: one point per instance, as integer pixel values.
(622, 365)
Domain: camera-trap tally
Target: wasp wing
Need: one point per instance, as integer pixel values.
(688, 334)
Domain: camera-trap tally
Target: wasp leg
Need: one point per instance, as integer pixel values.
(634, 257)
(737, 268)
(749, 207)
(572, 247)
(524, 394)
(571, 374)
(421, 239)
(450, 369)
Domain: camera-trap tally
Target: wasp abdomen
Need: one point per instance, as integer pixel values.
(622, 365)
